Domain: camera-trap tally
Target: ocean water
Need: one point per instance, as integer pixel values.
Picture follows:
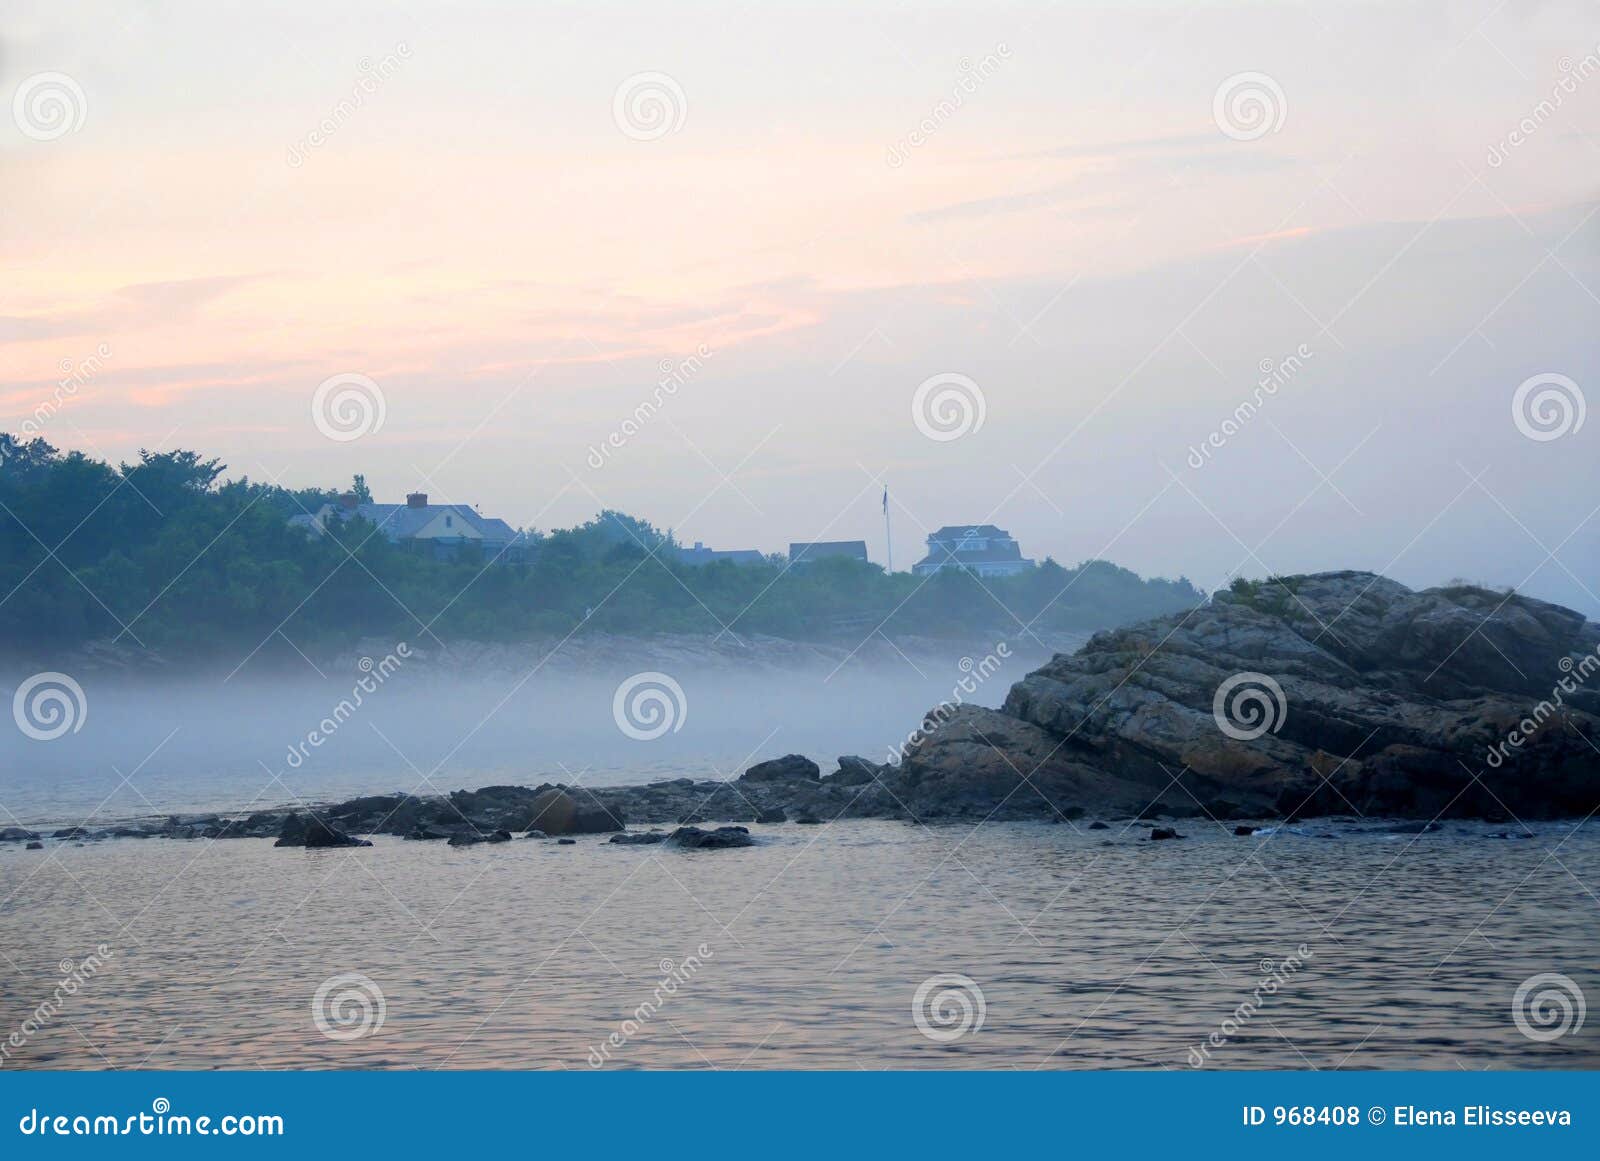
(1033, 946)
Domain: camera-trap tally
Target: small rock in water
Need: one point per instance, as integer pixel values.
(1163, 832)
(535, 834)
(1412, 828)
(500, 836)
(723, 837)
(1097, 825)
(1244, 830)
(9, 834)
(775, 815)
(639, 840)
(566, 842)
(35, 846)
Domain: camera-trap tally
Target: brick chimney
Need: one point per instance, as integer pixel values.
(348, 501)
(416, 499)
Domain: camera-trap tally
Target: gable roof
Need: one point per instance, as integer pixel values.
(402, 522)
(800, 550)
(962, 531)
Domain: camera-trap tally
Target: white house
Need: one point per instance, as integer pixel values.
(981, 549)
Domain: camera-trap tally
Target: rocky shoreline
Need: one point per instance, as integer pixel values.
(1333, 694)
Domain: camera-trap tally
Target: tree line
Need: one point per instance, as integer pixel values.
(167, 555)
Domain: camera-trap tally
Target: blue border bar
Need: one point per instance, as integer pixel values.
(777, 1114)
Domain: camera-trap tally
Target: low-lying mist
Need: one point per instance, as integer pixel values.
(147, 746)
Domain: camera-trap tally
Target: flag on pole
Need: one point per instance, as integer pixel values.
(886, 499)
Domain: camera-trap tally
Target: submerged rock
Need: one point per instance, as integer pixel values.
(314, 832)
(16, 834)
(1159, 833)
(693, 838)
(640, 840)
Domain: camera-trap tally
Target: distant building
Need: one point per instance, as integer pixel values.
(804, 552)
(700, 554)
(441, 529)
(982, 549)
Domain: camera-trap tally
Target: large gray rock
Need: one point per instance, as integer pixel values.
(788, 768)
(1392, 702)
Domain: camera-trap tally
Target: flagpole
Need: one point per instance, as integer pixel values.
(888, 539)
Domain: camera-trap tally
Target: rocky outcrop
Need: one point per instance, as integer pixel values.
(1335, 693)
(788, 768)
(857, 771)
(313, 831)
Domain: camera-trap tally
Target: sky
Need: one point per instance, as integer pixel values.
(1024, 264)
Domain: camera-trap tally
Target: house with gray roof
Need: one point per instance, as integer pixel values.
(981, 549)
(442, 530)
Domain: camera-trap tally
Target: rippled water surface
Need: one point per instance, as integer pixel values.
(1091, 949)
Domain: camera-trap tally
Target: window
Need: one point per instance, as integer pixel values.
(449, 522)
